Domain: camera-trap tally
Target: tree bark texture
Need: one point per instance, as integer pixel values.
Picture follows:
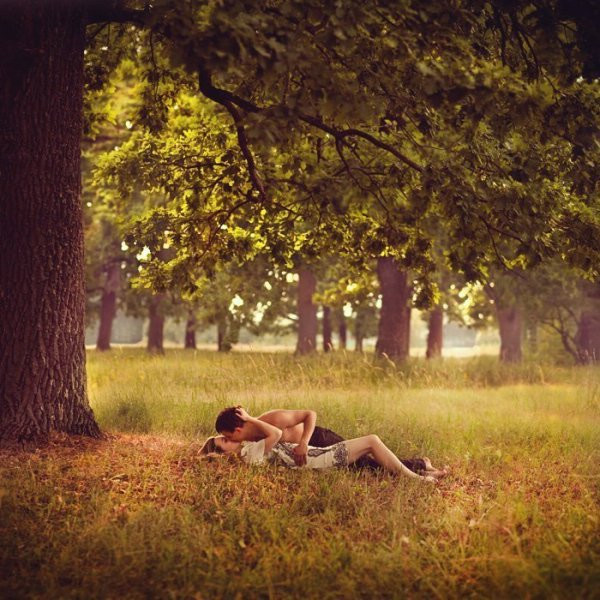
(42, 296)
(587, 338)
(108, 306)
(510, 324)
(307, 312)
(327, 331)
(190, 333)
(394, 320)
(435, 333)
(156, 325)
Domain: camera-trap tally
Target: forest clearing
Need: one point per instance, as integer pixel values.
(138, 515)
(352, 239)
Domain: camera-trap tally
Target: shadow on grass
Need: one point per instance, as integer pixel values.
(128, 414)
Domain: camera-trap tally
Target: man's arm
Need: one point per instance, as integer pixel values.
(271, 433)
(309, 420)
(301, 450)
(291, 418)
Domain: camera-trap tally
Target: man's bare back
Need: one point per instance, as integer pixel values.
(291, 422)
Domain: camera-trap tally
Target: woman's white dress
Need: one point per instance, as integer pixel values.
(282, 454)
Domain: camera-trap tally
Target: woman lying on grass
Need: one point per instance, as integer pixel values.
(271, 450)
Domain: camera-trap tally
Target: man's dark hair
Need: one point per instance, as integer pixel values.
(228, 420)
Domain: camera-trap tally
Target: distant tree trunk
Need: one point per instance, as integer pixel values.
(394, 321)
(510, 324)
(342, 330)
(359, 329)
(190, 333)
(223, 344)
(42, 295)
(532, 336)
(221, 328)
(156, 325)
(327, 332)
(108, 306)
(407, 318)
(587, 338)
(307, 312)
(435, 334)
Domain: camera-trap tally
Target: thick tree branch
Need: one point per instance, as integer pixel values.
(341, 134)
(223, 96)
(567, 340)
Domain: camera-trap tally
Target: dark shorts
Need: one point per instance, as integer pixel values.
(323, 437)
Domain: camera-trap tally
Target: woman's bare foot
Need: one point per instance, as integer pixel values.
(432, 471)
(437, 473)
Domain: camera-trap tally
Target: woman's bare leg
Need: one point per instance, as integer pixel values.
(381, 453)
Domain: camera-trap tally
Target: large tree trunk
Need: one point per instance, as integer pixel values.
(342, 330)
(307, 312)
(510, 324)
(394, 320)
(327, 331)
(42, 297)
(190, 333)
(108, 306)
(587, 338)
(156, 325)
(435, 333)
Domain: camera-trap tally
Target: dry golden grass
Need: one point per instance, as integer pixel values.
(138, 516)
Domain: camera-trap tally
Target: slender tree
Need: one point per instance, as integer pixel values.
(108, 305)
(307, 311)
(510, 325)
(342, 329)
(190, 332)
(435, 332)
(327, 329)
(394, 321)
(156, 324)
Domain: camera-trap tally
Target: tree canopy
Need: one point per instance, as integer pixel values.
(370, 122)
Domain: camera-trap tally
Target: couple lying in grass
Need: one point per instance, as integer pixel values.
(292, 439)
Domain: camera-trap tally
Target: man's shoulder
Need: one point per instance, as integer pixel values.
(276, 415)
(275, 411)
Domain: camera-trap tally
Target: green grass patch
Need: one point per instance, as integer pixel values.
(138, 516)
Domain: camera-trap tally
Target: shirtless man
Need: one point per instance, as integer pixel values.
(298, 427)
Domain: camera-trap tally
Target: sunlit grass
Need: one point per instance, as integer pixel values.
(138, 516)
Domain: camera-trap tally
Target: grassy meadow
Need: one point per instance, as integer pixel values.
(138, 516)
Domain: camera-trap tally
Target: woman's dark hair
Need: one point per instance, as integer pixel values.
(228, 420)
(210, 447)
